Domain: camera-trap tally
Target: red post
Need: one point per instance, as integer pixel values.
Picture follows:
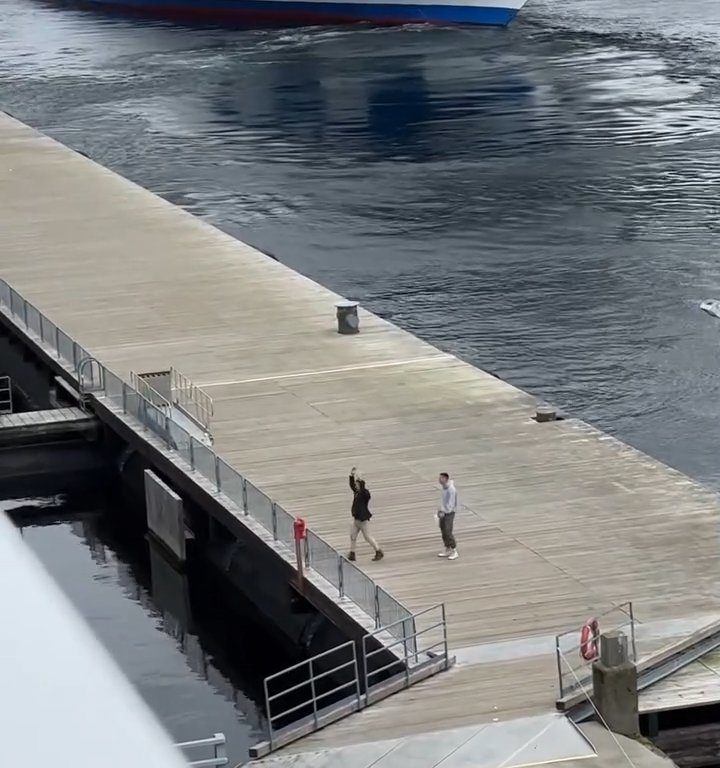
(300, 531)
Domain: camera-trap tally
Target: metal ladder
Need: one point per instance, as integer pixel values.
(6, 400)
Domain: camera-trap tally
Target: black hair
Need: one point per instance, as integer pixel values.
(445, 475)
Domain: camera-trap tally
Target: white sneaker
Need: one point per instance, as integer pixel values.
(444, 553)
(453, 555)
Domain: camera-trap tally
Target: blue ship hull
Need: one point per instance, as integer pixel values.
(323, 12)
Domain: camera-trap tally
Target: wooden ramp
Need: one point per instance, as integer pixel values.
(697, 685)
(557, 522)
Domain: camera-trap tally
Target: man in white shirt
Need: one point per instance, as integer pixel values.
(446, 516)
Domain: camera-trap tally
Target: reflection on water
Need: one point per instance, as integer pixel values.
(197, 659)
(540, 200)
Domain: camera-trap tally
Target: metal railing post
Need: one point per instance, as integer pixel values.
(445, 638)
(559, 665)
(192, 453)
(407, 663)
(75, 357)
(366, 673)
(57, 342)
(377, 607)
(273, 509)
(244, 495)
(358, 692)
(312, 693)
(341, 583)
(124, 396)
(632, 631)
(220, 748)
(25, 313)
(217, 473)
(269, 714)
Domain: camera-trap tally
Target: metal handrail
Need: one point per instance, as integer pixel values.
(146, 390)
(362, 696)
(136, 400)
(409, 641)
(191, 398)
(85, 369)
(309, 666)
(217, 742)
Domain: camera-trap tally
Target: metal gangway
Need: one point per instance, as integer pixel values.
(352, 676)
(179, 398)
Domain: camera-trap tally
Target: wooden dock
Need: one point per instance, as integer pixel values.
(558, 521)
(23, 428)
(33, 419)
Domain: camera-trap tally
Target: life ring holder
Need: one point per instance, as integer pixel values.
(589, 639)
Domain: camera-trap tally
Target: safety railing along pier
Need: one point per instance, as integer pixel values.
(345, 679)
(95, 379)
(394, 625)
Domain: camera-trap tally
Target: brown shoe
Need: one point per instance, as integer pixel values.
(379, 555)
(351, 557)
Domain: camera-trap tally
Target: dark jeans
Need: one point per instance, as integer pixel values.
(446, 529)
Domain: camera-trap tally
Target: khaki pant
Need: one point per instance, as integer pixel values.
(447, 521)
(361, 526)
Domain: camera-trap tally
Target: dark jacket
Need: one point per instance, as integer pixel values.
(361, 499)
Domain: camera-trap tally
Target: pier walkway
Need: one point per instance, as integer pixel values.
(558, 521)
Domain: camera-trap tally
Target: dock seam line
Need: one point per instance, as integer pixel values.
(345, 369)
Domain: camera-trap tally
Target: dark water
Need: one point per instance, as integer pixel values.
(197, 660)
(542, 201)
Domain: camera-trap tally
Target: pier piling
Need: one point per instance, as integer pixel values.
(615, 685)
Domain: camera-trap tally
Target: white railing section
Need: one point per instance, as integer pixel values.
(182, 394)
(135, 401)
(219, 752)
(415, 645)
(149, 392)
(312, 685)
(191, 398)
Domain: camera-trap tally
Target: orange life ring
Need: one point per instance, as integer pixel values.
(589, 637)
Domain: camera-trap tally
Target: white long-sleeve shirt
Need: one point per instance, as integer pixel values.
(448, 498)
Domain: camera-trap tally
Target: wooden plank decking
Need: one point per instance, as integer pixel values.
(42, 418)
(557, 521)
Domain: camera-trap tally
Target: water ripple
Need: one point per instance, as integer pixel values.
(540, 200)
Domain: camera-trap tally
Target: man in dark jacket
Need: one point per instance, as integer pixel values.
(361, 515)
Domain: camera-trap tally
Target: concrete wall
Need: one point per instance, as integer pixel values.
(165, 514)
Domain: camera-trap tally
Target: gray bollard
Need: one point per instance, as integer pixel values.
(347, 317)
(615, 690)
(545, 413)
